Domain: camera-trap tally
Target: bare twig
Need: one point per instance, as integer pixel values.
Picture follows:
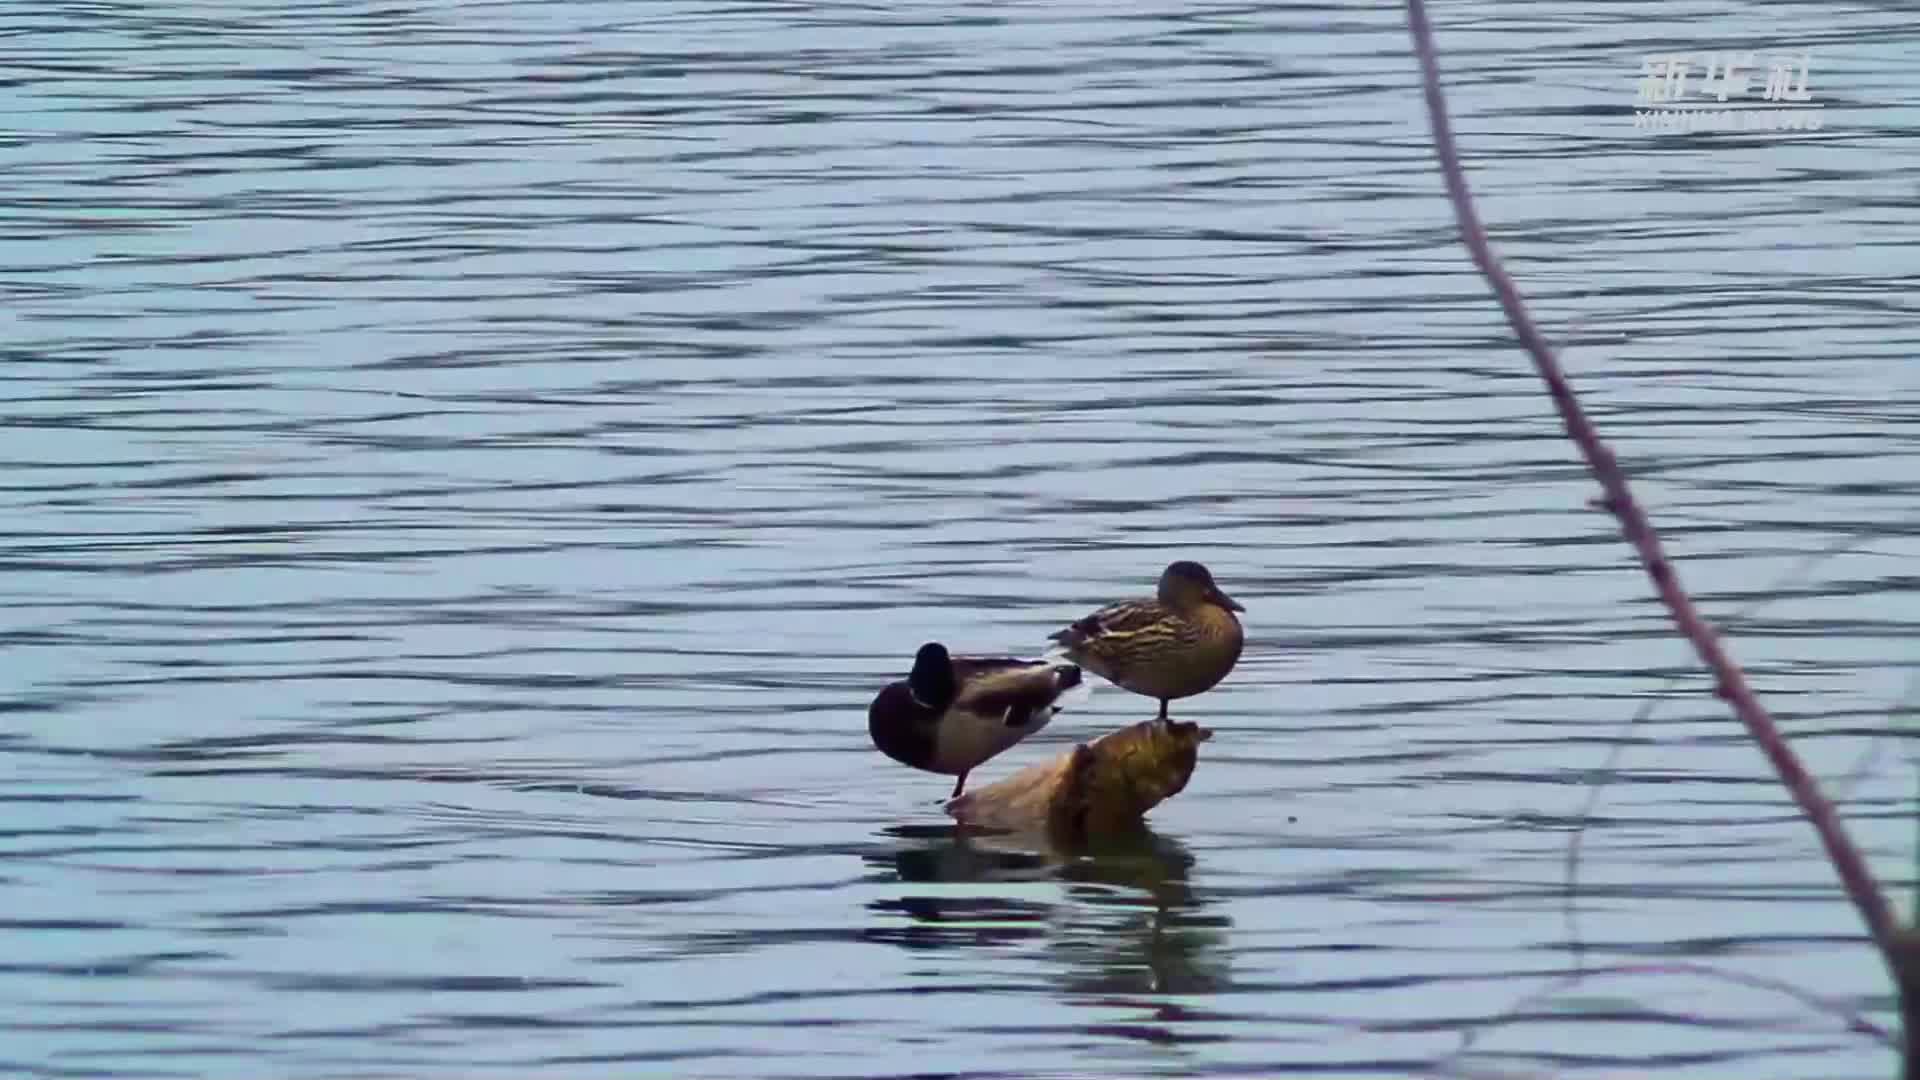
(1732, 684)
(1852, 1019)
(1569, 905)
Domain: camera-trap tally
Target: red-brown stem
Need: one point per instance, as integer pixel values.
(1732, 682)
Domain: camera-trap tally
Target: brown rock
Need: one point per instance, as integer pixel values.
(1095, 789)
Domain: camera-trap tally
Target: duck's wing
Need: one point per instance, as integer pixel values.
(975, 667)
(1118, 639)
(1115, 621)
(1010, 686)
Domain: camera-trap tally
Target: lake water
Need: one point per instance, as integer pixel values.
(469, 466)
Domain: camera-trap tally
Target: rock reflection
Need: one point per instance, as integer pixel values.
(1131, 922)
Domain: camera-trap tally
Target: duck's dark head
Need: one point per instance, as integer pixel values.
(932, 680)
(1187, 584)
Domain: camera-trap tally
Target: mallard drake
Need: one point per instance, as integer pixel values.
(1175, 645)
(954, 712)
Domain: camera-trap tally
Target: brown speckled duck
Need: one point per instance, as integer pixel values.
(954, 712)
(1176, 645)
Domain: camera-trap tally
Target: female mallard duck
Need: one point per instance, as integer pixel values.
(1176, 645)
(954, 712)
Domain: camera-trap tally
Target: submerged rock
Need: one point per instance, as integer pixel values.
(1096, 788)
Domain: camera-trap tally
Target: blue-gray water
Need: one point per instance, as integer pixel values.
(468, 466)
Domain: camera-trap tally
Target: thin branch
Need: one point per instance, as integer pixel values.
(1854, 1020)
(1732, 683)
(1569, 909)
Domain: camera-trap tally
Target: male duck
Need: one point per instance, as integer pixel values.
(1176, 645)
(954, 712)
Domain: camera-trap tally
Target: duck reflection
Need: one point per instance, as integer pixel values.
(1132, 923)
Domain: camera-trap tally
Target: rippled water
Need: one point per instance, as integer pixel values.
(469, 466)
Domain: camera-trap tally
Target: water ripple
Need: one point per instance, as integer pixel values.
(470, 465)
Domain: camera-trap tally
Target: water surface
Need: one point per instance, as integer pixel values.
(469, 466)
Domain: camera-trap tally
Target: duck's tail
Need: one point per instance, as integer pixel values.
(1077, 688)
(1080, 694)
(1058, 648)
